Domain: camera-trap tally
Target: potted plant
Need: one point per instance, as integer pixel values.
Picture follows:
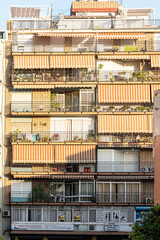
(111, 108)
(126, 108)
(98, 107)
(90, 134)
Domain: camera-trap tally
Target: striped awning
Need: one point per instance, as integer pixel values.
(120, 35)
(29, 153)
(72, 61)
(154, 87)
(123, 93)
(31, 62)
(31, 176)
(33, 86)
(65, 35)
(75, 153)
(125, 123)
(70, 176)
(124, 57)
(155, 61)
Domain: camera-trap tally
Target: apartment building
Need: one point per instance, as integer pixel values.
(79, 116)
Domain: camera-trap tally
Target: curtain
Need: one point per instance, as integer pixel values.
(22, 215)
(68, 216)
(37, 215)
(16, 215)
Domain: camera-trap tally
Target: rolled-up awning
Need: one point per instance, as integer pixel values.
(154, 87)
(70, 176)
(155, 61)
(125, 123)
(75, 153)
(33, 86)
(124, 57)
(75, 86)
(72, 61)
(120, 35)
(31, 176)
(31, 62)
(65, 35)
(123, 93)
(29, 153)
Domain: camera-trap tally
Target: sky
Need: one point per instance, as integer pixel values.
(63, 6)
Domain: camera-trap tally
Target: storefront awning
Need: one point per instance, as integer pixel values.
(125, 123)
(123, 93)
(31, 62)
(124, 57)
(65, 35)
(72, 61)
(155, 61)
(75, 153)
(120, 35)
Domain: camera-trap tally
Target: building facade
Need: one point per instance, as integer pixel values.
(79, 116)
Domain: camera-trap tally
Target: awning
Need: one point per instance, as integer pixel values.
(154, 87)
(124, 57)
(33, 86)
(123, 93)
(95, 6)
(155, 61)
(31, 176)
(75, 86)
(70, 176)
(120, 35)
(31, 62)
(125, 123)
(75, 153)
(65, 35)
(26, 12)
(72, 61)
(29, 153)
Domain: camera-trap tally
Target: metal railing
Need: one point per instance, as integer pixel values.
(86, 46)
(56, 136)
(83, 75)
(55, 106)
(125, 197)
(87, 24)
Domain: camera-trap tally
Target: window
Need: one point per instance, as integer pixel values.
(34, 215)
(87, 190)
(118, 192)
(19, 215)
(92, 215)
(65, 215)
(53, 215)
(118, 161)
(81, 215)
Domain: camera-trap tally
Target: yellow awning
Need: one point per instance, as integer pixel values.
(123, 93)
(124, 57)
(155, 61)
(154, 87)
(120, 35)
(125, 123)
(31, 62)
(72, 61)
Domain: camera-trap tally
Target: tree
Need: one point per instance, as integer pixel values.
(149, 228)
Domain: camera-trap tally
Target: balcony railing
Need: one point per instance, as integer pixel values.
(87, 46)
(126, 166)
(143, 198)
(56, 106)
(20, 196)
(87, 24)
(57, 136)
(85, 76)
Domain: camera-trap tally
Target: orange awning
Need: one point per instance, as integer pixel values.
(29, 153)
(31, 62)
(66, 35)
(75, 86)
(75, 153)
(123, 93)
(120, 35)
(72, 61)
(124, 57)
(31, 176)
(125, 123)
(154, 87)
(155, 61)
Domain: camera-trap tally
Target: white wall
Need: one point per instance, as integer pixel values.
(110, 65)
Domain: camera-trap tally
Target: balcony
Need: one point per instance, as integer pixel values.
(86, 24)
(27, 108)
(129, 198)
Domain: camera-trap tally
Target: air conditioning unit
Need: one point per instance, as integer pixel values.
(149, 200)
(151, 169)
(91, 228)
(144, 169)
(6, 213)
